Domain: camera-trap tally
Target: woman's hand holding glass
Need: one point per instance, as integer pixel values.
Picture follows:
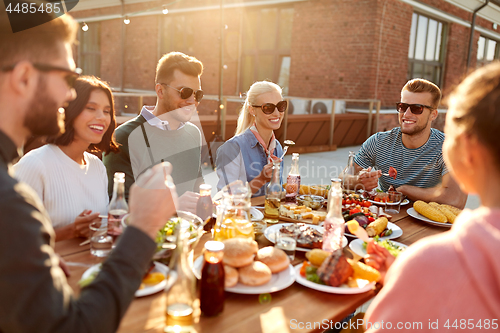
(82, 222)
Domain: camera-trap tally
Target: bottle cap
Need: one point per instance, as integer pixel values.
(214, 246)
(206, 187)
(336, 180)
(296, 155)
(119, 176)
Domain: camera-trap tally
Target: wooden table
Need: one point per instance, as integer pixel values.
(245, 313)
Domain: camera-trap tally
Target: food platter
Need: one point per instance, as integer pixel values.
(396, 232)
(256, 215)
(404, 202)
(279, 281)
(343, 289)
(148, 289)
(271, 231)
(413, 213)
(357, 247)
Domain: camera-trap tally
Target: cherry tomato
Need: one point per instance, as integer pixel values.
(370, 219)
(348, 201)
(367, 203)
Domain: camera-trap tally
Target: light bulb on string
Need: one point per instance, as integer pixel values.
(126, 20)
(85, 27)
(165, 10)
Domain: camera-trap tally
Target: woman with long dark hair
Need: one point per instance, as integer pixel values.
(71, 181)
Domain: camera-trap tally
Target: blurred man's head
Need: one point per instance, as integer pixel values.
(36, 71)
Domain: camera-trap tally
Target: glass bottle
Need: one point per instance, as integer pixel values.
(204, 206)
(349, 178)
(334, 222)
(118, 207)
(182, 294)
(212, 280)
(293, 180)
(234, 219)
(273, 195)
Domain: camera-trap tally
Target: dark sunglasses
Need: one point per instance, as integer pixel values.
(187, 92)
(70, 76)
(268, 108)
(414, 108)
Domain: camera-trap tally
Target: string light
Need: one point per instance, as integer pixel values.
(85, 27)
(165, 10)
(126, 20)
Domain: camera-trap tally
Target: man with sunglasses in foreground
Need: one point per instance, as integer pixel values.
(163, 132)
(414, 149)
(36, 77)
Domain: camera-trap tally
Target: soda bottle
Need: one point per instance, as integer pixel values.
(273, 195)
(212, 280)
(293, 180)
(118, 207)
(204, 206)
(334, 222)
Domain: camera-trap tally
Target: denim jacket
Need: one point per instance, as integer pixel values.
(242, 158)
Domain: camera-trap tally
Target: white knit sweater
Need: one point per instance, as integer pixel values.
(65, 187)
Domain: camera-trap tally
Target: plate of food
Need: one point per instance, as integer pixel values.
(359, 247)
(381, 228)
(310, 236)
(404, 202)
(347, 277)
(413, 213)
(252, 271)
(154, 281)
(255, 214)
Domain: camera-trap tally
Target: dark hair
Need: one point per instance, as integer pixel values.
(84, 86)
(177, 60)
(477, 104)
(37, 44)
(422, 85)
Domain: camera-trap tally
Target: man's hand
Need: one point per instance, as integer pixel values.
(379, 258)
(82, 222)
(188, 201)
(153, 199)
(368, 178)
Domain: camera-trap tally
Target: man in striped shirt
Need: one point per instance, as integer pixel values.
(414, 149)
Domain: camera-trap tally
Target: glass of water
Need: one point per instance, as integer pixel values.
(287, 242)
(100, 242)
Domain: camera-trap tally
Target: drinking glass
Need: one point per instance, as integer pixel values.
(100, 242)
(287, 242)
(393, 203)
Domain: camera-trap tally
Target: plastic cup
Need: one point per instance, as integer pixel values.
(287, 242)
(100, 242)
(393, 204)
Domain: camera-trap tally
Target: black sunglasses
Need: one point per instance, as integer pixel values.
(70, 77)
(414, 108)
(186, 92)
(268, 108)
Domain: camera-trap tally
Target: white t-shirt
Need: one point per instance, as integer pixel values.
(65, 187)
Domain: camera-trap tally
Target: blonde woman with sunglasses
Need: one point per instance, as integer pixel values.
(249, 154)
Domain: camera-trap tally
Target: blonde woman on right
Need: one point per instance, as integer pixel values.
(248, 155)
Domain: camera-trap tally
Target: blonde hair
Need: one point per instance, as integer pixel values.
(245, 119)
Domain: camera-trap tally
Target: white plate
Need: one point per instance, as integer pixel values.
(396, 232)
(343, 289)
(413, 213)
(271, 231)
(256, 214)
(357, 247)
(279, 281)
(404, 202)
(149, 289)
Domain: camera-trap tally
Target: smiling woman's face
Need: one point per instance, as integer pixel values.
(268, 121)
(94, 120)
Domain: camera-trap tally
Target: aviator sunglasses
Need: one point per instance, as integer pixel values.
(186, 92)
(70, 76)
(414, 108)
(268, 108)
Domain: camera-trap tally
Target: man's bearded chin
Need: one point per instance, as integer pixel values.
(43, 118)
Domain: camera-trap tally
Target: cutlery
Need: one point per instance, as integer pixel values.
(287, 144)
(77, 264)
(85, 242)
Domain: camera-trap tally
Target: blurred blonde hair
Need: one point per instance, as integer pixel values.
(245, 119)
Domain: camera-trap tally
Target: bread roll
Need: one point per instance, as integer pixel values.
(239, 252)
(255, 274)
(276, 259)
(230, 277)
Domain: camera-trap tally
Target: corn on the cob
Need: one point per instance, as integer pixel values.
(430, 212)
(453, 209)
(363, 271)
(446, 212)
(377, 226)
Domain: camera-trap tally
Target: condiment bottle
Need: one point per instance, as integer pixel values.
(118, 207)
(204, 206)
(212, 280)
(182, 294)
(293, 180)
(349, 177)
(273, 195)
(334, 222)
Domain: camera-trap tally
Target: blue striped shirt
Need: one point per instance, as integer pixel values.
(422, 167)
